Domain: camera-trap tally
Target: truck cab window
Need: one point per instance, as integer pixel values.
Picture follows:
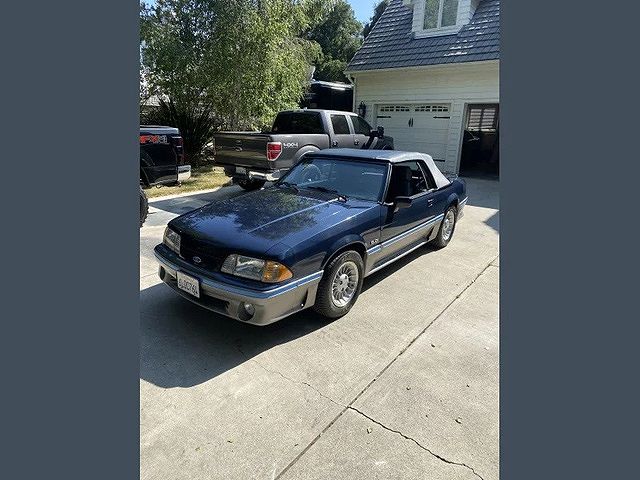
(360, 126)
(298, 122)
(340, 125)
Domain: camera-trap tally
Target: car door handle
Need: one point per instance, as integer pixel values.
(430, 202)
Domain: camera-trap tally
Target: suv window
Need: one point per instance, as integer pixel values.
(360, 126)
(298, 122)
(340, 125)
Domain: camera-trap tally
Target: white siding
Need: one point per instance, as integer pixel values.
(458, 85)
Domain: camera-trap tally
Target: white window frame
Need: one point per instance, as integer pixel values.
(439, 30)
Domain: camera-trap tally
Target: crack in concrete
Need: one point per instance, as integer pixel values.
(276, 372)
(349, 406)
(406, 437)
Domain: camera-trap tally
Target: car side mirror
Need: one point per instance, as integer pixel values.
(402, 202)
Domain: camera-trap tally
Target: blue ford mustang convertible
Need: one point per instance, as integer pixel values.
(309, 239)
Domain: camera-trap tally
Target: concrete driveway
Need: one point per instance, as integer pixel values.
(404, 386)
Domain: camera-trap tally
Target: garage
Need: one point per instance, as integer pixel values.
(432, 84)
(480, 145)
(417, 127)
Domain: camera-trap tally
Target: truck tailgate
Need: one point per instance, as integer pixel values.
(244, 149)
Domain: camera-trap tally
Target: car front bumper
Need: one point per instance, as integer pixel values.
(270, 305)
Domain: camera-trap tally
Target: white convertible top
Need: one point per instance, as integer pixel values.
(391, 156)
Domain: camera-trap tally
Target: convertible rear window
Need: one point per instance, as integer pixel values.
(355, 179)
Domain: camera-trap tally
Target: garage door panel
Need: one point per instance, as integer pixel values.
(420, 127)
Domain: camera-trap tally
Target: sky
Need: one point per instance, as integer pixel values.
(362, 8)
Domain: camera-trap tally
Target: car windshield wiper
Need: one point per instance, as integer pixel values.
(328, 190)
(287, 184)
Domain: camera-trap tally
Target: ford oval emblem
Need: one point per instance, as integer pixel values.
(197, 260)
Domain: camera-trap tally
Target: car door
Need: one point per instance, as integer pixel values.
(361, 131)
(342, 136)
(404, 227)
(436, 199)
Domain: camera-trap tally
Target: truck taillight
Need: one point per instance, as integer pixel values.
(178, 141)
(274, 149)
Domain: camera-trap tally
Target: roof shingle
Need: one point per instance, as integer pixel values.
(391, 43)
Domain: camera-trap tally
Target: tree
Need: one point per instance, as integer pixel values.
(338, 34)
(378, 10)
(242, 60)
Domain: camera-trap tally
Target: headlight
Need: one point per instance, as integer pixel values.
(172, 240)
(256, 269)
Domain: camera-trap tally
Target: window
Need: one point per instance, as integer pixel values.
(360, 126)
(431, 108)
(298, 122)
(340, 125)
(394, 108)
(440, 13)
(407, 180)
(482, 118)
(431, 183)
(361, 180)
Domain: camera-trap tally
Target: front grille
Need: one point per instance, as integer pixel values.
(210, 256)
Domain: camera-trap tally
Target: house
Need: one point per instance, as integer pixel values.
(429, 74)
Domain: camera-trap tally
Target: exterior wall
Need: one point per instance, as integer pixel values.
(458, 84)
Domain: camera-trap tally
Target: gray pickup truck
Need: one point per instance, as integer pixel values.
(252, 158)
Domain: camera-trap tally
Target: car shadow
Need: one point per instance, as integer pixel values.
(183, 344)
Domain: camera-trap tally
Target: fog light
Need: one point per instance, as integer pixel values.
(250, 309)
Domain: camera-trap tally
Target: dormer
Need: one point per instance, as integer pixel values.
(432, 18)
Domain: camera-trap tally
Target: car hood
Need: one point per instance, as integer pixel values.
(258, 221)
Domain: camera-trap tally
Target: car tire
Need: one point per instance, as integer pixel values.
(338, 279)
(250, 184)
(144, 206)
(447, 227)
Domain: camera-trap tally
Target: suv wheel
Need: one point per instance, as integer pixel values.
(144, 206)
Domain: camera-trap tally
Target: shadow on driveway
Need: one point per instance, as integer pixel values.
(183, 345)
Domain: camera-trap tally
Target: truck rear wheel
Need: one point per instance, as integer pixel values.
(144, 206)
(250, 184)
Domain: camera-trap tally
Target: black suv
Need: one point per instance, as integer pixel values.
(161, 161)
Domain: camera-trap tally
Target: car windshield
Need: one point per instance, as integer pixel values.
(355, 179)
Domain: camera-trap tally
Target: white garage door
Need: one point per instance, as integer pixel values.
(417, 127)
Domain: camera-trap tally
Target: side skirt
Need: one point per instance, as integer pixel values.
(397, 257)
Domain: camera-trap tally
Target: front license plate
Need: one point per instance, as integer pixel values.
(241, 170)
(189, 284)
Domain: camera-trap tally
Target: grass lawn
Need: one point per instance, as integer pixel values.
(202, 178)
